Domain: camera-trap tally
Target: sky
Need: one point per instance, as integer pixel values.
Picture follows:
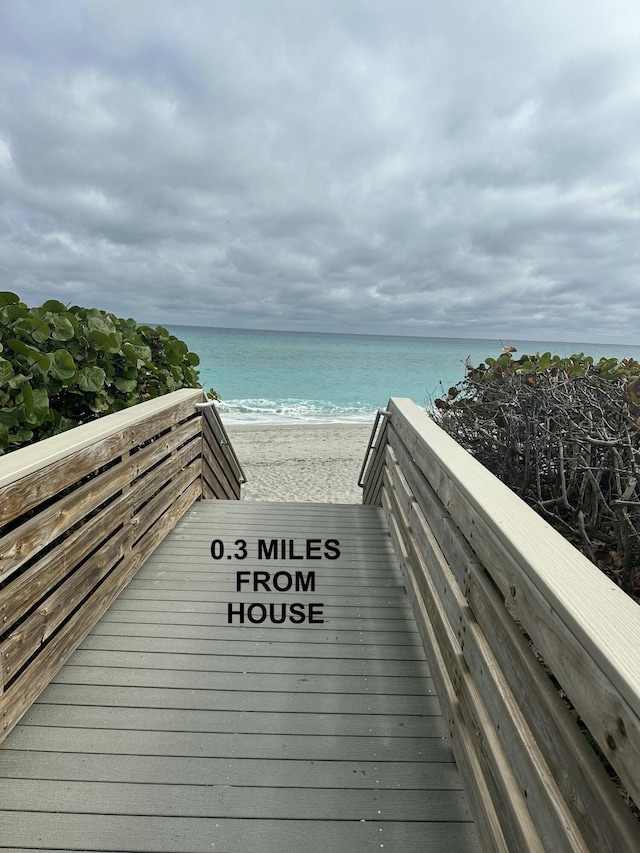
(468, 168)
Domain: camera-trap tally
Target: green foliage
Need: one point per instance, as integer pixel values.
(564, 434)
(539, 370)
(61, 366)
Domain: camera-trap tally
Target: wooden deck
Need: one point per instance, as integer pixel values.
(171, 730)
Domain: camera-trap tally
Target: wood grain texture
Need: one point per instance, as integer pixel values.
(71, 455)
(81, 512)
(481, 565)
(215, 435)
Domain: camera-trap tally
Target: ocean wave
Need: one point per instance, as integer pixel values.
(293, 411)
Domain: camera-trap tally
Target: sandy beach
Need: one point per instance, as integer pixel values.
(314, 462)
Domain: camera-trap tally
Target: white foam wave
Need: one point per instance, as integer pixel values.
(292, 411)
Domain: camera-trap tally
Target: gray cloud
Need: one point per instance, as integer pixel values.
(418, 168)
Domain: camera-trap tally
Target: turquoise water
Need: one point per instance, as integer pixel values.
(306, 377)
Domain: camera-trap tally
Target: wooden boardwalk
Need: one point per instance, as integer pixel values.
(171, 730)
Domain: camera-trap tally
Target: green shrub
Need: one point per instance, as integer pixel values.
(61, 366)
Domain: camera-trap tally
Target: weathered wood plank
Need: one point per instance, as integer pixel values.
(344, 605)
(247, 722)
(205, 744)
(458, 553)
(400, 657)
(214, 486)
(27, 474)
(484, 692)
(39, 531)
(145, 519)
(184, 770)
(26, 640)
(407, 641)
(15, 701)
(24, 591)
(369, 668)
(491, 795)
(238, 802)
(262, 682)
(77, 688)
(329, 727)
(363, 618)
(63, 565)
(28, 637)
(497, 689)
(52, 611)
(487, 820)
(214, 453)
(588, 632)
(135, 834)
(199, 572)
(597, 807)
(230, 461)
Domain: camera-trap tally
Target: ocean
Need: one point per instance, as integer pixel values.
(270, 377)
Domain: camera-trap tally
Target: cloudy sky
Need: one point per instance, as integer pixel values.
(466, 168)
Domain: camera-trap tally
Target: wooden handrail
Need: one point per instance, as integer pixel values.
(217, 432)
(79, 514)
(381, 413)
(513, 619)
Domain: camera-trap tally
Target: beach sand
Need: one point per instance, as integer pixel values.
(314, 462)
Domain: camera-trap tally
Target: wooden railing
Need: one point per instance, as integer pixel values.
(516, 624)
(79, 514)
(222, 474)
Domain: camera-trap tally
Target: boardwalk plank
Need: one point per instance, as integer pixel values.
(219, 745)
(374, 610)
(250, 722)
(409, 657)
(221, 800)
(275, 664)
(181, 770)
(116, 833)
(254, 634)
(238, 700)
(248, 681)
(171, 730)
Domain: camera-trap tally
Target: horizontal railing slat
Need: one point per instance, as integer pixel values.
(23, 592)
(445, 615)
(227, 482)
(36, 471)
(226, 456)
(487, 821)
(80, 513)
(577, 771)
(483, 568)
(39, 531)
(586, 628)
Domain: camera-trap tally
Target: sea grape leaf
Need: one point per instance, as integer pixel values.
(64, 367)
(62, 329)
(27, 398)
(91, 379)
(54, 306)
(40, 358)
(125, 385)
(6, 371)
(8, 298)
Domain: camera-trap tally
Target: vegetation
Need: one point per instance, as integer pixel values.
(564, 434)
(61, 366)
